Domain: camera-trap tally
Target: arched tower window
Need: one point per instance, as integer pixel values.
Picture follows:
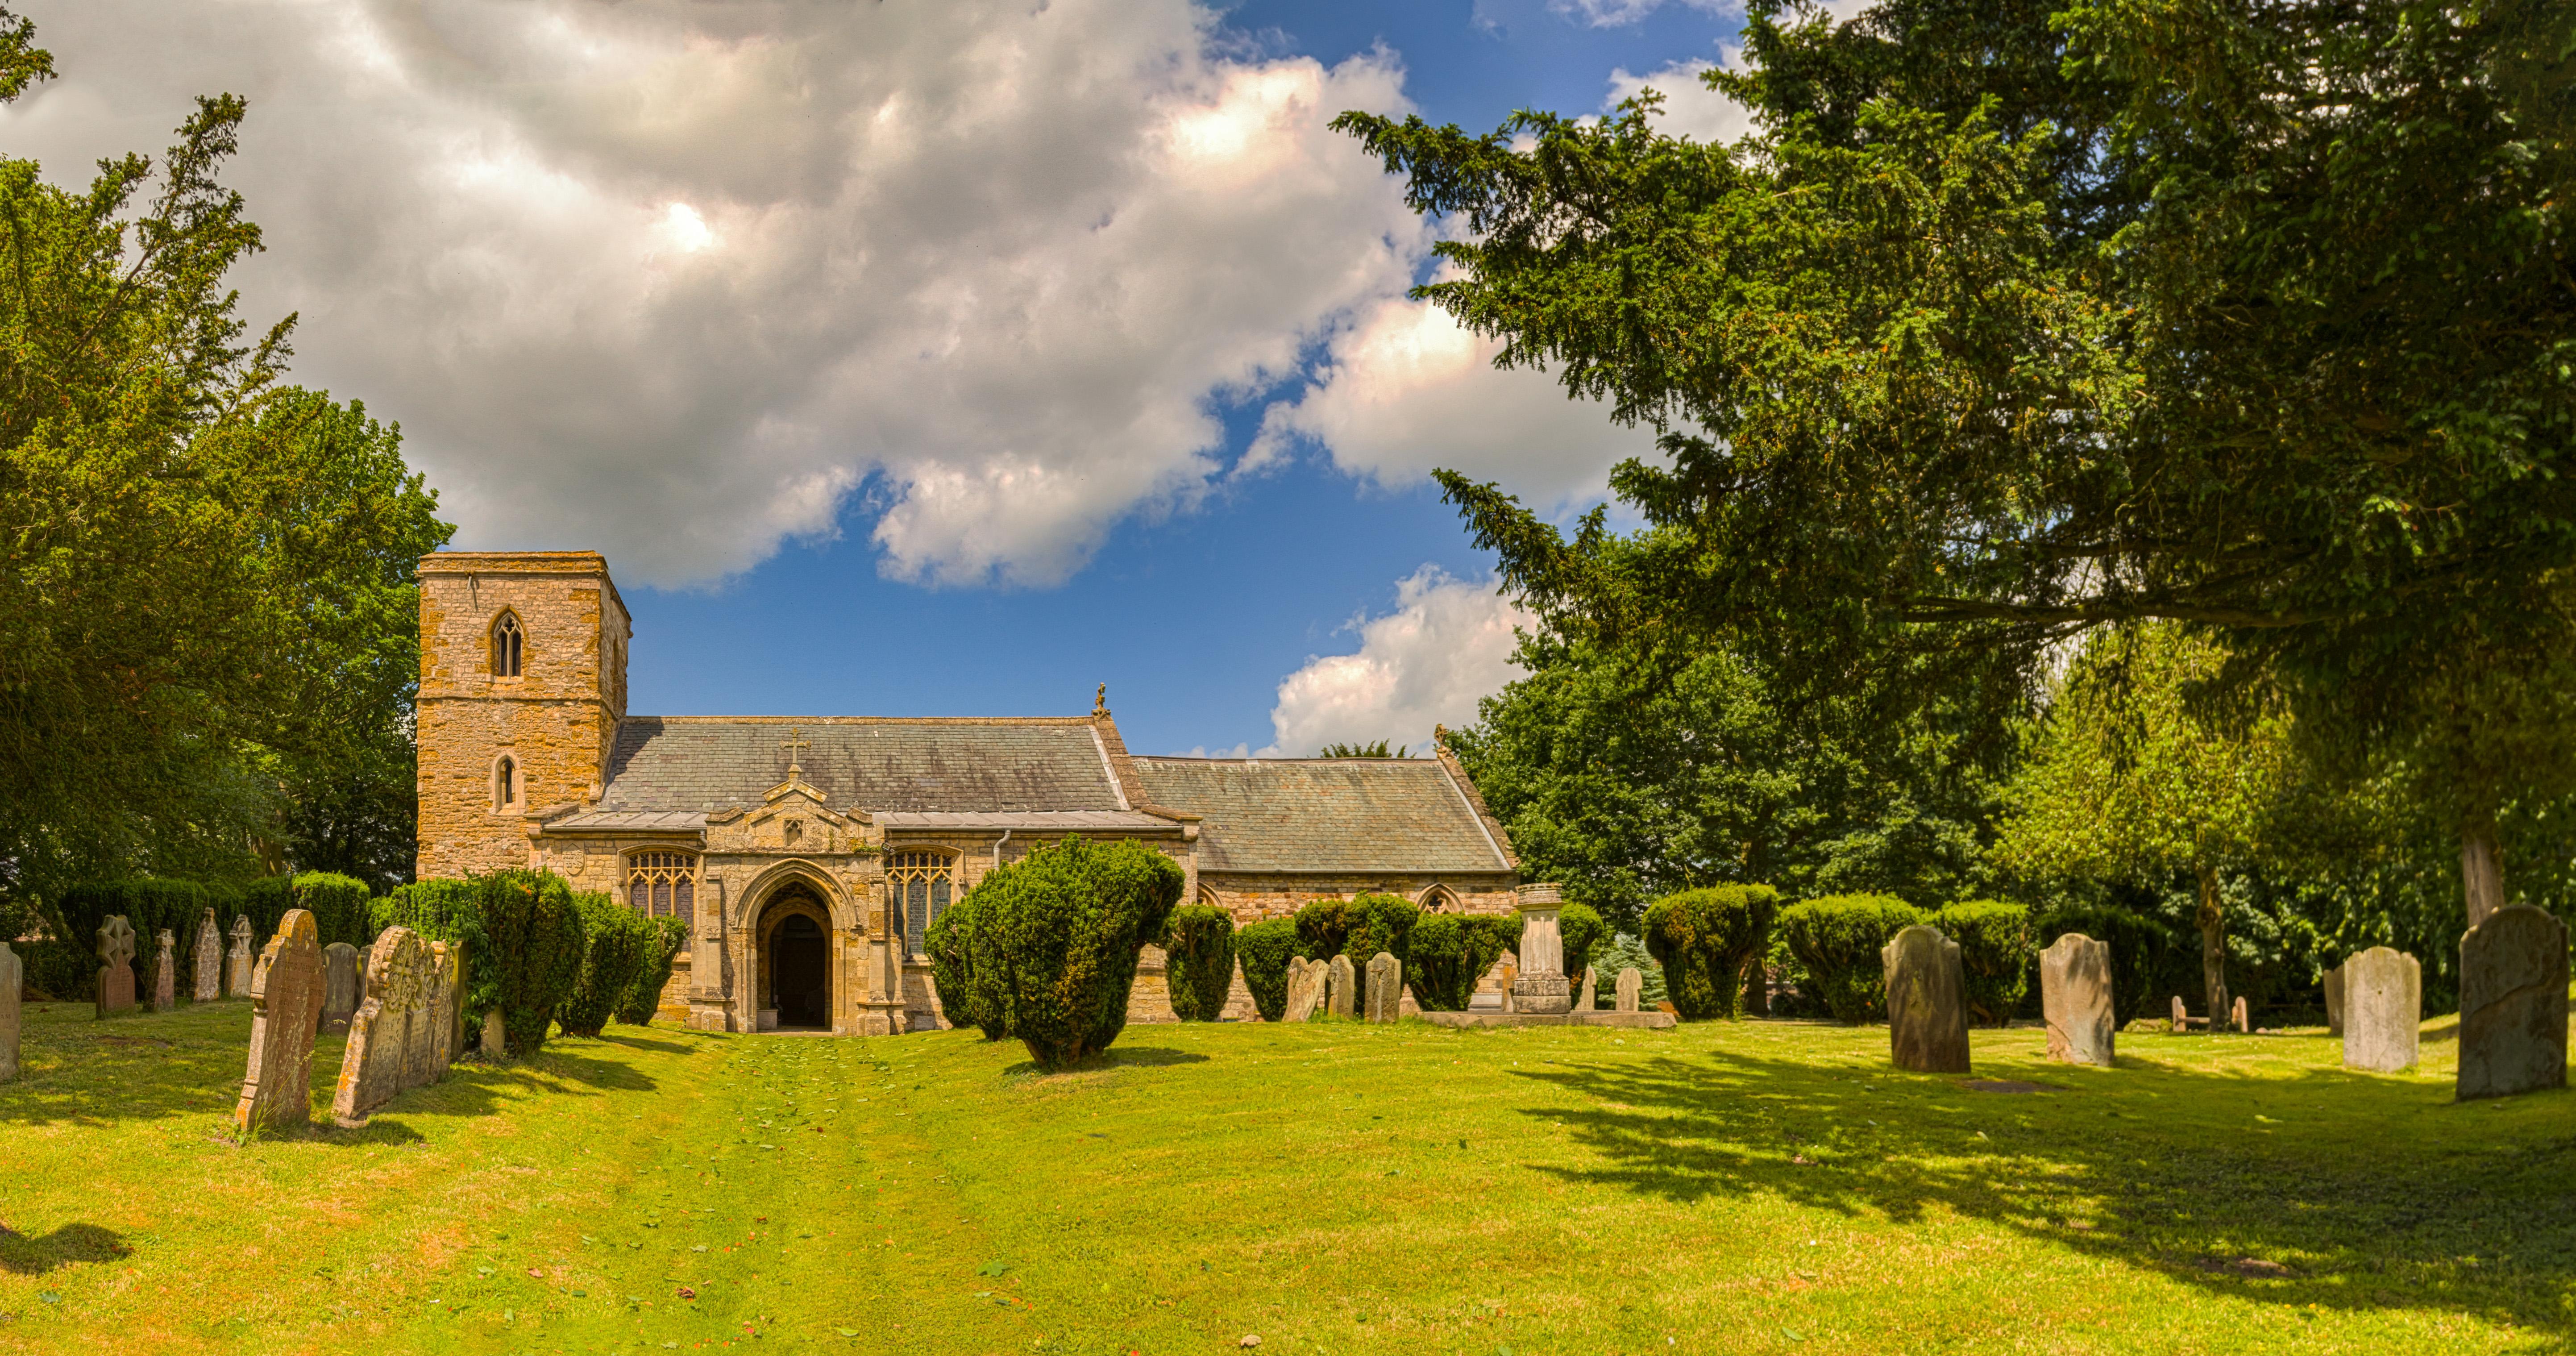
(663, 884)
(508, 645)
(505, 783)
(918, 886)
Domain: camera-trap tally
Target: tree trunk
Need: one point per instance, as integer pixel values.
(2213, 948)
(2481, 868)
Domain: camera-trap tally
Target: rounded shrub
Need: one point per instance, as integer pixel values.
(1451, 952)
(1265, 949)
(1838, 938)
(1704, 939)
(949, 943)
(1585, 936)
(1358, 928)
(615, 943)
(1198, 947)
(1998, 947)
(643, 998)
(1052, 951)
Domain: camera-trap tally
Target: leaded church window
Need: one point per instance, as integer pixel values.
(508, 646)
(663, 884)
(918, 885)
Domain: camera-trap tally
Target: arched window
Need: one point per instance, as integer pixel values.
(508, 643)
(663, 884)
(918, 885)
(1437, 899)
(505, 783)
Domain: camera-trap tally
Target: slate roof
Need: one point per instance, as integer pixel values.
(1031, 821)
(1324, 814)
(709, 764)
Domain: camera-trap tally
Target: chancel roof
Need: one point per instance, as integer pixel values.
(1325, 814)
(710, 764)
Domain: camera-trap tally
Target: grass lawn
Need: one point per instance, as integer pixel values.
(1733, 1188)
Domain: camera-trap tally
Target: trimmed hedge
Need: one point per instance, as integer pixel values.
(70, 971)
(1838, 939)
(1451, 952)
(1584, 935)
(1358, 928)
(1265, 949)
(644, 997)
(447, 911)
(338, 904)
(950, 944)
(523, 941)
(1704, 939)
(1997, 949)
(1198, 946)
(1052, 944)
(615, 943)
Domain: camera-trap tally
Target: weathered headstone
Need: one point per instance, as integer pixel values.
(446, 1006)
(426, 1062)
(1385, 987)
(2075, 998)
(339, 985)
(1631, 986)
(165, 974)
(2238, 1015)
(494, 1037)
(2334, 1001)
(208, 960)
(2513, 1004)
(1539, 985)
(13, 985)
(2383, 1009)
(237, 962)
(2181, 1019)
(1590, 998)
(115, 975)
(1927, 1007)
(1305, 989)
(374, 1068)
(1339, 982)
(277, 1088)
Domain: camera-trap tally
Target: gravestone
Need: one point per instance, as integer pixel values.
(339, 986)
(1590, 998)
(208, 961)
(374, 1067)
(493, 1039)
(1385, 986)
(2075, 998)
(165, 974)
(432, 1034)
(2242, 1022)
(1539, 984)
(277, 1088)
(2513, 1004)
(1305, 989)
(115, 975)
(1339, 980)
(1927, 1008)
(13, 986)
(237, 962)
(1631, 985)
(447, 1005)
(2181, 1019)
(2383, 1008)
(2334, 1001)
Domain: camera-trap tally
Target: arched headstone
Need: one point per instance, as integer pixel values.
(2383, 1010)
(2513, 1004)
(277, 1087)
(1339, 980)
(1385, 986)
(2075, 997)
(1927, 1008)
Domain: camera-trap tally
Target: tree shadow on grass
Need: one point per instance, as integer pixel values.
(2316, 1188)
(1115, 1057)
(643, 1043)
(34, 1255)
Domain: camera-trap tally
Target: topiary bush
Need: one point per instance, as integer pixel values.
(1198, 946)
(615, 942)
(264, 901)
(338, 904)
(1998, 947)
(1451, 952)
(1051, 953)
(1838, 938)
(1585, 936)
(1265, 949)
(643, 998)
(523, 943)
(446, 911)
(949, 944)
(1704, 939)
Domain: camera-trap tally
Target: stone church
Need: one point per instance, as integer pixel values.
(807, 855)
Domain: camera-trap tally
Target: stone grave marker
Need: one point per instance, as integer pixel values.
(447, 1005)
(165, 974)
(2513, 1004)
(1385, 986)
(115, 975)
(2334, 1001)
(493, 1038)
(1927, 1008)
(13, 986)
(1305, 989)
(2243, 1023)
(208, 961)
(1631, 985)
(2181, 1019)
(339, 986)
(237, 962)
(373, 1069)
(426, 1063)
(1339, 981)
(1590, 998)
(2383, 1009)
(2075, 998)
(286, 999)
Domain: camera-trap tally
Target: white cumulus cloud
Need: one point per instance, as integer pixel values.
(1447, 644)
(1691, 109)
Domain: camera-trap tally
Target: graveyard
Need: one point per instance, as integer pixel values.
(1746, 1186)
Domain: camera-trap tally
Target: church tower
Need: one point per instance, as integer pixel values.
(522, 683)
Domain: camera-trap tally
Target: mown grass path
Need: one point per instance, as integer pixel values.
(1738, 1188)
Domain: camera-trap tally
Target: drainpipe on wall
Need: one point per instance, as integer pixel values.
(997, 848)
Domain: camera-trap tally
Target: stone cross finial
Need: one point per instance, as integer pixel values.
(793, 744)
(1100, 701)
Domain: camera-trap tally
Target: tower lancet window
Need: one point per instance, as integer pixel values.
(508, 644)
(663, 884)
(505, 783)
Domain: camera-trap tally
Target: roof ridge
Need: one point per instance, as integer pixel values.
(865, 720)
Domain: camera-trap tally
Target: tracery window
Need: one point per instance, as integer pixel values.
(1438, 899)
(918, 885)
(663, 884)
(508, 645)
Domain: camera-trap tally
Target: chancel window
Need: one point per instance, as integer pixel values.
(663, 884)
(508, 643)
(918, 885)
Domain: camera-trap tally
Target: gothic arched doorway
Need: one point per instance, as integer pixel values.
(796, 959)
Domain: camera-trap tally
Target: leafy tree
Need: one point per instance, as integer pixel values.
(2014, 320)
(1376, 750)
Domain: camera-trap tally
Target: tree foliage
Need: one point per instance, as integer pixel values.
(1704, 939)
(1052, 941)
(1198, 946)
